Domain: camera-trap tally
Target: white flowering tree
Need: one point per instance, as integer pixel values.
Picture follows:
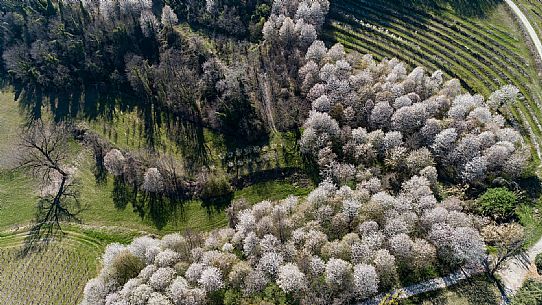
(168, 18)
(211, 279)
(154, 182)
(114, 162)
(291, 279)
(365, 281)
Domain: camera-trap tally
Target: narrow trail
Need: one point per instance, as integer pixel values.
(268, 96)
(513, 275)
(527, 25)
(426, 286)
(24, 228)
(517, 269)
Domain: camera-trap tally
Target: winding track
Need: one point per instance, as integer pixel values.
(527, 25)
(426, 286)
(518, 268)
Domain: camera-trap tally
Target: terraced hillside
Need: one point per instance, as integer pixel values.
(483, 52)
(56, 275)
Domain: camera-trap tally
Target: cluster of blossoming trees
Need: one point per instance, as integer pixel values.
(295, 23)
(372, 119)
(392, 136)
(140, 9)
(336, 246)
(130, 170)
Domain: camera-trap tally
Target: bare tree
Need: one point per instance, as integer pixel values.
(44, 153)
(504, 241)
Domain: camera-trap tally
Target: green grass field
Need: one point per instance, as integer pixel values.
(18, 191)
(483, 52)
(533, 10)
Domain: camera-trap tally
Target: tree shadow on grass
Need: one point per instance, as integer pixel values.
(121, 194)
(190, 139)
(478, 291)
(66, 105)
(532, 186)
(159, 212)
(218, 203)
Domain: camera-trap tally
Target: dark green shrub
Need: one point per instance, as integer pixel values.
(498, 203)
(232, 297)
(126, 266)
(273, 294)
(529, 294)
(216, 192)
(216, 297)
(215, 186)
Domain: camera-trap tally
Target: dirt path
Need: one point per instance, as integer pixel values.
(512, 275)
(426, 286)
(527, 25)
(516, 270)
(268, 96)
(24, 228)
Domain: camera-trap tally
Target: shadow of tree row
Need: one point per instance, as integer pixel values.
(464, 8)
(162, 208)
(419, 9)
(105, 102)
(165, 207)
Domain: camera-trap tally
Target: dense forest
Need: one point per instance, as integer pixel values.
(86, 58)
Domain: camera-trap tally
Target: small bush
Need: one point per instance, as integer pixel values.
(126, 266)
(530, 293)
(498, 203)
(232, 297)
(216, 186)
